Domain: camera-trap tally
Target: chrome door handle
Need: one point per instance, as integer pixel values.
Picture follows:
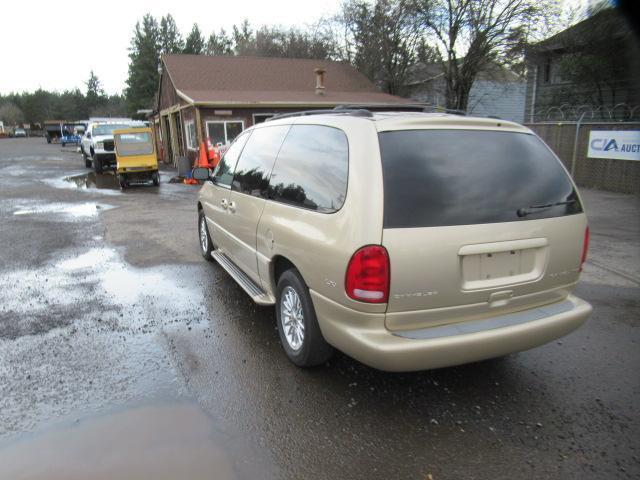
(225, 203)
(232, 207)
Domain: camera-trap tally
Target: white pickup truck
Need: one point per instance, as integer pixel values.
(97, 145)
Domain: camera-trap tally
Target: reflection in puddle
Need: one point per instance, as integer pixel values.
(72, 210)
(158, 442)
(106, 180)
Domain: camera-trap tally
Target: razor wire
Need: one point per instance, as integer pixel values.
(620, 112)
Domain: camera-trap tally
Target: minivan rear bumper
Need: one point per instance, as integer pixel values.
(364, 337)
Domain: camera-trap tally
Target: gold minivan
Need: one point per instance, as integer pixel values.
(406, 240)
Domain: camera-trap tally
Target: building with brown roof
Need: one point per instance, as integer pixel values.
(217, 97)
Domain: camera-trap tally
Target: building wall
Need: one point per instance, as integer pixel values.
(168, 96)
(487, 97)
(501, 99)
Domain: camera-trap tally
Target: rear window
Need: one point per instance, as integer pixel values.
(462, 177)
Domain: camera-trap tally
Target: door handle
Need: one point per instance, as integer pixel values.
(225, 203)
(232, 207)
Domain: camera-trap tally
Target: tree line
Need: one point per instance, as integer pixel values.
(384, 39)
(35, 107)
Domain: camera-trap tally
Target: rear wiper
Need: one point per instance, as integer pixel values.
(523, 212)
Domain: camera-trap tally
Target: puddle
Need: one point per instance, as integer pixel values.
(69, 210)
(42, 297)
(105, 181)
(159, 442)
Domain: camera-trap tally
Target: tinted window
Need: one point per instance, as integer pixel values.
(461, 177)
(256, 161)
(312, 168)
(224, 171)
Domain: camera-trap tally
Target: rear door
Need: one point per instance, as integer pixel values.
(249, 193)
(476, 223)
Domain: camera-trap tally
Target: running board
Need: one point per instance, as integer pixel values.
(252, 288)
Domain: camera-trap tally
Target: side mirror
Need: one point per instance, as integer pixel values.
(201, 173)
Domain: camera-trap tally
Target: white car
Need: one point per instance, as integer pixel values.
(97, 145)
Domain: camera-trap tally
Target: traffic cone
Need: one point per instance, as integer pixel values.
(203, 161)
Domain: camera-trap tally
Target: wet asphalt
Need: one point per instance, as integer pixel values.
(124, 354)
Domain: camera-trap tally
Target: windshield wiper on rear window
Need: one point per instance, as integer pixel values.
(523, 212)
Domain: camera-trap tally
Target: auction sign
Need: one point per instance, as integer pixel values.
(618, 144)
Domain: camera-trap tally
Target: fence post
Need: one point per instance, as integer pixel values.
(575, 146)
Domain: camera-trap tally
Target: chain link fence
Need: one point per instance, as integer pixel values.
(604, 174)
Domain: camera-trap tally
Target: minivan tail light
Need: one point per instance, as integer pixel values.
(585, 248)
(367, 278)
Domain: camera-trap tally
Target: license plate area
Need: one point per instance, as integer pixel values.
(502, 264)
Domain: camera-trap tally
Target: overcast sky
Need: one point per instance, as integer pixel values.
(55, 44)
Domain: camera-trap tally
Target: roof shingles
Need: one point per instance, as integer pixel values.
(233, 80)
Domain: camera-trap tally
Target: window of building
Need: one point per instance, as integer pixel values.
(190, 131)
(312, 169)
(224, 132)
(255, 164)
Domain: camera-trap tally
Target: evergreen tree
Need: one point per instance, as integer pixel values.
(220, 44)
(244, 39)
(170, 38)
(144, 55)
(195, 41)
(95, 96)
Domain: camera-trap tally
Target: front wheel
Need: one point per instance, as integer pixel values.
(206, 245)
(298, 327)
(156, 179)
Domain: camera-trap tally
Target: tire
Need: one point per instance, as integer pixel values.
(298, 327)
(87, 162)
(156, 179)
(206, 245)
(63, 145)
(123, 182)
(97, 164)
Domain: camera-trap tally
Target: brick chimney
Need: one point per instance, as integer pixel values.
(320, 80)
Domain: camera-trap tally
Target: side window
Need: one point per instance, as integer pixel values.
(254, 167)
(224, 171)
(312, 169)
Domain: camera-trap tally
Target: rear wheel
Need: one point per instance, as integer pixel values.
(298, 327)
(206, 245)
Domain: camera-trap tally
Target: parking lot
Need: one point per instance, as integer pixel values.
(122, 351)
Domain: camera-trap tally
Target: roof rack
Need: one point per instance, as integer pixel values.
(359, 110)
(355, 111)
(409, 107)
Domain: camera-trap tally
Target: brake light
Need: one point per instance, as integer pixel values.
(367, 278)
(585, 248)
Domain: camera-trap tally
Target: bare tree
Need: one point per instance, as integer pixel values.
(10, 114)
(379, 40)
(469, 35)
